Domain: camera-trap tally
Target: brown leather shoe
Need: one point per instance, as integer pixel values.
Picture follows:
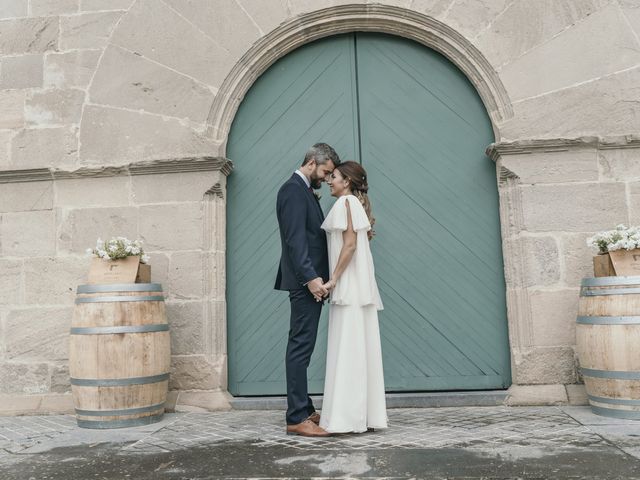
(307, 429)
(315, 418)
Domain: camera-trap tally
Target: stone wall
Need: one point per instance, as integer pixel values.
(91, 88)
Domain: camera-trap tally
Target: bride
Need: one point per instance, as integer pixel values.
(354, 395)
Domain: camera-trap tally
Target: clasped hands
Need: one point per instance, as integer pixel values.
(319, 289)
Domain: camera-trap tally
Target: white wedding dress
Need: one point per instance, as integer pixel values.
(354, 396)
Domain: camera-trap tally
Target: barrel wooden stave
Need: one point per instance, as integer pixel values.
(139, 358)
(607, 345)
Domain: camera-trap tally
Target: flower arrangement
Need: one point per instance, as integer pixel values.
(118, 247)
(622, 237)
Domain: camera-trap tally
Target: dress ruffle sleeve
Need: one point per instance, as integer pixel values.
(337, 218)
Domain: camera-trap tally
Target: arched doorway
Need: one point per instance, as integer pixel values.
(420, 129)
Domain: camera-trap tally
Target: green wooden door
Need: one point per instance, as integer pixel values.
(420, 129)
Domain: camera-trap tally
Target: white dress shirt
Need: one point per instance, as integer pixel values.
(304, 177)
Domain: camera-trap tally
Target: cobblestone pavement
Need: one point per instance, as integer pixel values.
(521, 440)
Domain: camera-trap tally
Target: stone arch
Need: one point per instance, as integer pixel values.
(348, 18)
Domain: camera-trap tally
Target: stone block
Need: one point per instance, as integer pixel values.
(216, 329)
(70, 69)
(26, 196)
(93, 5)
(6, 136)
(223, 20)
(11, 282)
(522, 395)
(631, 10)
(159, 268)
(186, 323)
(158, 32)
(577, 395)
(44, 8)
(553, 316)
(544, 365)
(542, 260)
(127, 80)
(12, 109)
(172, 226)
(60, 382)
(53, 404)
(208, 401)
(54, 107)
(601, 44)
(195, 372)
(17, 404)
(170, 403)
(53, 281)
(573, 207)
(604, 106)
(38, 334)
(579, 165)
(81, 228)
(431, 8)
(577, 258)
(93, 192)
(620, 164)
(22, 71)
(44, 404)
(45, 147)
(470, 17)
(28, 35)
(172, 187)
(87, 30)
(28, 234)
(217, 281)
(24, 378)
(266, 15)
(634, 203)
(14, 8)
(111, 136)
(525, 25)
(186, 275)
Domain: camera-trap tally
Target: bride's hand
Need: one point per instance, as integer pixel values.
(330, 285)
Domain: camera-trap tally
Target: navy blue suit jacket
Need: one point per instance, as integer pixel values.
(304, 244)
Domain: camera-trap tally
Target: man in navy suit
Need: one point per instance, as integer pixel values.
(304, 268)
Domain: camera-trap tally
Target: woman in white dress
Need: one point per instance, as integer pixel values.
(354, 395)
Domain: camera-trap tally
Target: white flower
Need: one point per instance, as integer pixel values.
(144, 258)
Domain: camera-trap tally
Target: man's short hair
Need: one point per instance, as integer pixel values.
(322, 153)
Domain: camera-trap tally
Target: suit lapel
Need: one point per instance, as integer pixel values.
(314, 199)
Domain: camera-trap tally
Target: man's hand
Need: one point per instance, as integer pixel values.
(318, 290)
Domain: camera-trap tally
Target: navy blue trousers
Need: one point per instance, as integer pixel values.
(303, 330)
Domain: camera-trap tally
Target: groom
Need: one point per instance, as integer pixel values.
(304, 267)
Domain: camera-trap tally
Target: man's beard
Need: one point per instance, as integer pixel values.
(315, 181)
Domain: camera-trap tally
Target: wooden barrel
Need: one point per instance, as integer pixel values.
(119, 355)
(608, 343)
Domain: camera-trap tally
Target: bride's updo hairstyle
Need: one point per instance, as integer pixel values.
(358, 182)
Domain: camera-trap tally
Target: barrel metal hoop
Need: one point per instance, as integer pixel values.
(596, 320)
(117, 382)
(614, 401)
(588, 292)
(121, 411)
(155, 327)
(132, 422)
(612, 412)
(147, 298)
(612, 374)
(120, 287)
(606, 281)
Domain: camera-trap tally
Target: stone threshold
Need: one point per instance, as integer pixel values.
(483, 398)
